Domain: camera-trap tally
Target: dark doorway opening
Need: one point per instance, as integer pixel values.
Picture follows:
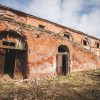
(13, 55)
(9, 63)
(62, 60)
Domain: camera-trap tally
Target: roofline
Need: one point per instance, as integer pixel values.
(59, 25)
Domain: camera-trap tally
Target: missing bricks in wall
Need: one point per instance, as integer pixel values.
(21, 25)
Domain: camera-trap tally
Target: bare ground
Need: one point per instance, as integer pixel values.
(74, 86)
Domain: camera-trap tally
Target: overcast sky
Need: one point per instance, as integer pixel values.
(82, 15)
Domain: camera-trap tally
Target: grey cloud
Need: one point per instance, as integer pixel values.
(82, 15)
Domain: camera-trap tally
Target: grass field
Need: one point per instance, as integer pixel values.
(74, 86)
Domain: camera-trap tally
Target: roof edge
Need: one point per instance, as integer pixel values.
(56, 24)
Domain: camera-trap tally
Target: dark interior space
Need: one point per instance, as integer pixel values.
(15, 64)
(98, 45)
(84, 42)
(9, 63)
(21, 68)
(7, 43)
(63, 48)
(67, 36)
(64, 64)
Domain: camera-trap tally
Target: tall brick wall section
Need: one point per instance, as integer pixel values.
(43, 45)
(42, 55)
(84, 60)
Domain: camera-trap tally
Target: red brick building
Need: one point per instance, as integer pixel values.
(34, 47)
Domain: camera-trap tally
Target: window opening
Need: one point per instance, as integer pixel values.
(6, 43)
(98, 45)
(67, 36)
(41, 26)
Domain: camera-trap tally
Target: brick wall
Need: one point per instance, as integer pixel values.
(42, 44)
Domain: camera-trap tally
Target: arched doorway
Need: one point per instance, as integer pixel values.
(62, 60)
(13, 55)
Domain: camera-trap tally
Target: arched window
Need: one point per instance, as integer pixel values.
(85, 42)
(12, 39)
(67, 36)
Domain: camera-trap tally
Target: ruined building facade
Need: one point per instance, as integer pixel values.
(32, 47)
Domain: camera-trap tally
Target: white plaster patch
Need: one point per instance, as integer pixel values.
(89, 65)
(85, 67)
(47, 68)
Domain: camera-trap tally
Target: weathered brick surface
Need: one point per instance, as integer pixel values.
(42, 44)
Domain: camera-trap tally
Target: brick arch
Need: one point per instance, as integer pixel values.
(14, 47)
(87, 39)
(64, 32)
(14, 37)
(63, 48)
(68, 44)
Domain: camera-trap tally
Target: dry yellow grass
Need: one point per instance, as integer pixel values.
(74, 86)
